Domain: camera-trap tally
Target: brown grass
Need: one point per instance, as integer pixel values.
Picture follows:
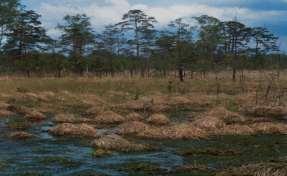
(117, 143)
(175, 131)
(109, 117)
(237, 108)
(68, 129)
(158, 119)
(261, 169)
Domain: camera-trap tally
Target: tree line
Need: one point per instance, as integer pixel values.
(133, 45)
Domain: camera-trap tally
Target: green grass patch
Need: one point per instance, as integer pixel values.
(60, 161)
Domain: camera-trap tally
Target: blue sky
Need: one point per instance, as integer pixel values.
(268, 13)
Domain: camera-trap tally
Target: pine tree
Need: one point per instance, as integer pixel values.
(26, 34)
(182, 33)
(142, 27)
(77, 35)
(236, 41)
(8, 10)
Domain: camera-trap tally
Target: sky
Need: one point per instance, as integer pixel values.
(271, 14)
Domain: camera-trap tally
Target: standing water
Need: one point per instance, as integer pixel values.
(48, 155)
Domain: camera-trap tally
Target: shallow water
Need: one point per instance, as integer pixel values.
(47, 155)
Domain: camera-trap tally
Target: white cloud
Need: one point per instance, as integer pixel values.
(110, 11)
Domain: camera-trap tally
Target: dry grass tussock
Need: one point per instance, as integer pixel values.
(29, 113)
(70, 118)
(263, 169)
(270, 128)
(95, 110)
(175, 131)
(133, 127)
(227, 116)
(109, 117)
(39, 96)
(21, 135)
(133, 116)
(68, 129)
(219, 121)
(92, 99)
(217, 118)
(118, 94)
(209, 123)
(154, 103)
(266, 111)
(132, 105)
(158, 119)
(35, 115)
(234, 130)
(4, 106)
(245, 100)
(117, 143)
(6, 113)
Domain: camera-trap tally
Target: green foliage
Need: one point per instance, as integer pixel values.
(142, 27)
(77, 34)
(26, 34)
(132, 45)
(8, 9)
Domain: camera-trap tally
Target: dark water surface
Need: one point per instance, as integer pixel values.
(47, 155)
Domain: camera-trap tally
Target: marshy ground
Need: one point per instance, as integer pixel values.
(119, 126)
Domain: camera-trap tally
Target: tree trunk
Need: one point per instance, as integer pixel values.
(28, 72)
(59, 73)
(191, 75)
(234, 74)
(181, 74)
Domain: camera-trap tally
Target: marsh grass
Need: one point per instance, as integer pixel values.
(78, 94)
(138, 87)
